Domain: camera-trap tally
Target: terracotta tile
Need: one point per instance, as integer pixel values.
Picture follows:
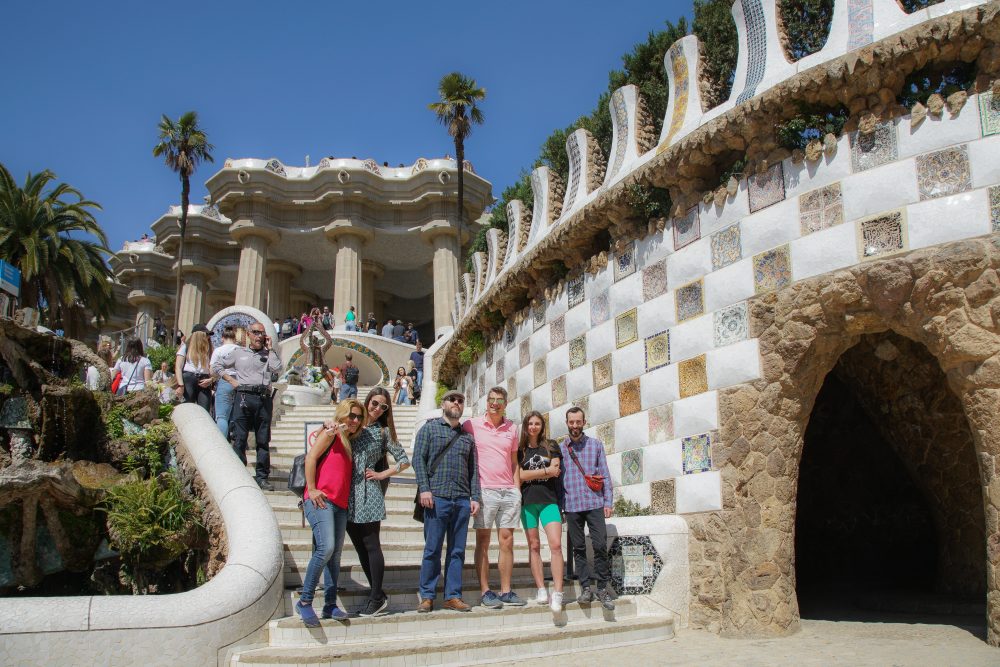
(629, 401)
(602, 373)
(693, 378)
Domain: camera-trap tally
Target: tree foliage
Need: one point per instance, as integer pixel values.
(807, 25)
(714, 27)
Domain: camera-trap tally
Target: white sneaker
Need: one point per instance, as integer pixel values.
(543, 596)
(555, 604)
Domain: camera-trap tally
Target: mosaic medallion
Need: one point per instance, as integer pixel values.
(821, 208)
(730, 324)
(872, 150)
(539, 372)
(627, 328)
(606, 434)
(600, 310)
(657, 350)
(944, 173)
(995, 207)
(696, 453)
(559, 391)
(500, 375)
(625, 261)
(772, 269)
(687, 229)
(766, 188)
(635, 565)
(661, 423)
(726, 247)
(654, 280)
(689, 301)
(989, 112)
(275, 167)
(574, 291)
(602, 373)
(578, 352)
(524, 353)
(692, 376)
(632, 466)
(557, 332)
(882, 235)
(629, 401)
(538, 316)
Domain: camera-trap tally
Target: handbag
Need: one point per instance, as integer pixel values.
(418, 509)
(382, 464)
(116, 382)
(297, 475)
(122, 387)
(594, 482)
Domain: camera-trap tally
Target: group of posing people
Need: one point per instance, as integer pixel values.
(486, 470)
(394, 329)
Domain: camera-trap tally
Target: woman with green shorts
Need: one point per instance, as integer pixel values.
(540, 461)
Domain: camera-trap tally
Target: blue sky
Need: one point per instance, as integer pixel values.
(87, 83)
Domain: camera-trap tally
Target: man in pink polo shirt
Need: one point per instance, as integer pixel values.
(499, 479)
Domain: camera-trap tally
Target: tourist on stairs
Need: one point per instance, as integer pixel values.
(366, 508)
(195, 379)
(328, 487)
(224, 392)
(540, 467)
(400, 384)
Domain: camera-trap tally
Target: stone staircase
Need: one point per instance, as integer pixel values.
(404, 637)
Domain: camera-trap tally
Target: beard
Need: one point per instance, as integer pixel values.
(452, 412)
(575, 433)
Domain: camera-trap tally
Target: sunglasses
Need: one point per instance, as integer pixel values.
(375, 405)
(354, 416)
(257, 333)
(495, 401)
(460, 401)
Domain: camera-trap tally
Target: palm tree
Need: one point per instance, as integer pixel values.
(458, 112)
(59, 273)
(183, 145)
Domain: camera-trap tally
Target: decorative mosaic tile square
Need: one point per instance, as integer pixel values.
(766, 188)
(584, 404)
(657, 350)
(663, 496)
(602, 373)
(557, 332)
(578, 352)
(625, 262)
(489, 354)
(654, 280)
(687, 229)
(821, 208)
(600, 309)
(482, 386)
(689, 301)
(989, 112)
(635, 565)
(627, 328)
(693, 377)
(872, 150)
(629, 401)
(524, 353)
(541, 377)
(559, 391)
(726, 247)
(696, 452)
(631, 466)
(511, 388)
(508, 338)
(574, 291)
(995, 207)
(730, 324)
(526, 404)
(756, 32)
(944, 173)
(606, 434)
(661, 423)
(538, 316)
(500, 373)
(881, 235)
(772, 269)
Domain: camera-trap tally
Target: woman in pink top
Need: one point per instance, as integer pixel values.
(328, 488)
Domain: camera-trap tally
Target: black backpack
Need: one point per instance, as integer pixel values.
(351, 375)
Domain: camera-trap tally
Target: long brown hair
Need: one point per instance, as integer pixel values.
(385, 419)
(525, 440)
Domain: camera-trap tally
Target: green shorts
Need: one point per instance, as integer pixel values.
(532, 515)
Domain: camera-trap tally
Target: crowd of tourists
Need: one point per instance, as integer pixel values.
(394, 329)
(486, 470)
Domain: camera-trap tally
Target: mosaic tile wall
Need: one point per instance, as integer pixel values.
(756, 35)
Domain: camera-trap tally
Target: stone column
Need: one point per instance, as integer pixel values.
(445, 277)
(381, 301)
(371, 273)
(280, 275)
(217, 299)
(302, 301)
(347, 280)
(250, 289)
(194, 280)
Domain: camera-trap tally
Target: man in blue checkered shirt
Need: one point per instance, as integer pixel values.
(449, 497)
(584, 506)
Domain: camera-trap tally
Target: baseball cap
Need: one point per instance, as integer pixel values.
(199, 327)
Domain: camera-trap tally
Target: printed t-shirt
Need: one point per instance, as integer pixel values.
(539, 491)
(494, 447)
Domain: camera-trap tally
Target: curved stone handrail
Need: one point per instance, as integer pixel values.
(190, 628)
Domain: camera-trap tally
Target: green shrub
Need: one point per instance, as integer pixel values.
(165, 410)
(148, 451)
(624, 507)
(472, 347)
(113, 420)
(811, 124)
(158, 355)
(441, 391)
(150, 519)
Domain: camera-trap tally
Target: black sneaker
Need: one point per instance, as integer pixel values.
(375, 608)
(586, 596)
(605, 597)
(265, 485)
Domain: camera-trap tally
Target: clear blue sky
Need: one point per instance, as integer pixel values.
(87, 83)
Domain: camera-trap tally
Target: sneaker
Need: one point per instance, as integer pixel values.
(513, 599)
(543, 596)
(605, 597)
(586, 596)
(491, 600)
(305, 610)
(265, 485)
(375, 608)
(425, 606)
(556, 603)
(334, 612)
(456, 604)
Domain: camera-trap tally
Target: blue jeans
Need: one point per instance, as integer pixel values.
(350, 326)
(403, 398)
(348, 391)
(328, 526)
(224, 395)
(448, 518)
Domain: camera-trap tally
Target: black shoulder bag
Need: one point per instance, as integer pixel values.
(418, 509)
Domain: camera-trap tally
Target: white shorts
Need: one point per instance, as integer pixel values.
(500, 507)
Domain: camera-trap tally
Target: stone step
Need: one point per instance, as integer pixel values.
(401, 530)
(398, 497)
(466, 647)
(397, 572)
(299, 551)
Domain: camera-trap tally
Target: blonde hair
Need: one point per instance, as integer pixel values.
(340, 416)
(199, 349)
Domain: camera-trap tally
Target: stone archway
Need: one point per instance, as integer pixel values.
(946, 298)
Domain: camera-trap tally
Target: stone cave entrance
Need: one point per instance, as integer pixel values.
(889, 516)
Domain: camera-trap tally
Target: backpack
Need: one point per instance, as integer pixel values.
(351, 375)
(286, 328)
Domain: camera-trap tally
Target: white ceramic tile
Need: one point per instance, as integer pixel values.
(696, 414)
(577, 320)
(656, 315)
(773, 226)
(714, 218)
(824, 251)
(948, 219)
(983, 161)
(604, 405)
(937, 132)
(659, 386)
(601, 340)
(699, 492)
(661, 461)
(629, 361)
(625, 294)
(557, 362)
(733, 364)
(598, 282)
(637, 493)
(632, 431)
(541, 398)
(880, 189)
(689, 263)
(653, 247)
(579, 382)
(807, 176)
(729, 285)
(691, 338)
